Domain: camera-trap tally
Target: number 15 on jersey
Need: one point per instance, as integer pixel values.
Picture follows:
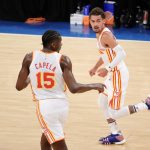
(45, 80)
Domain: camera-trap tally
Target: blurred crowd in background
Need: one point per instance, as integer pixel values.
(127, 13)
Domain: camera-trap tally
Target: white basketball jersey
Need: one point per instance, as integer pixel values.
(107, 54)
(46, 76)
(117, 80)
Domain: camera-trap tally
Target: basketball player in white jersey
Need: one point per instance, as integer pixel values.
(111, 64)
(47, 71)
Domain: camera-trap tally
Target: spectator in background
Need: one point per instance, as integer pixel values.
(125, 13)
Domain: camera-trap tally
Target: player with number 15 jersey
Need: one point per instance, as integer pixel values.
(49, 83)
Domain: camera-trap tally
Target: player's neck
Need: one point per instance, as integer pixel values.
(46, 50)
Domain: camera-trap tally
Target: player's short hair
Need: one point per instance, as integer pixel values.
(96, 12)
(49, 36)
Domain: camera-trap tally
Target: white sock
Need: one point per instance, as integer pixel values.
(141, 106)
(114, 128)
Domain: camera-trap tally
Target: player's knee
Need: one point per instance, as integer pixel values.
(113, 113)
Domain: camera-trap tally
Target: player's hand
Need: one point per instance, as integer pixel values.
(100, 87)
(92, 72)
(102, 72)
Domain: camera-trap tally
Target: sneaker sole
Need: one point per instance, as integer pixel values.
(117, 143)
(121, 142)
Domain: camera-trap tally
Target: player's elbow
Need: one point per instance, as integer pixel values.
(124, 53)
(74, 89)
(18, 88)
(121, 54)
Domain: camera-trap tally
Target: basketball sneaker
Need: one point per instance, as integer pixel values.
(147, 102)
(112, 139)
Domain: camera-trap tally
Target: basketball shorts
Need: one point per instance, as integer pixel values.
(116, 83)
(52, 115)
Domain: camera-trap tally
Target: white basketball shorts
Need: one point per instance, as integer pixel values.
(52, 115)
(116, 83)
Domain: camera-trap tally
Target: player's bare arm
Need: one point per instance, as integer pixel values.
(108, 40)
(73, 86)
(23, 80)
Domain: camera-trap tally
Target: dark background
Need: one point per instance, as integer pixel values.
(52, 10)
(58, 10)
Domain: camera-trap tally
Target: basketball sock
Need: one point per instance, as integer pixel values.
(114, 128)
(140, 106)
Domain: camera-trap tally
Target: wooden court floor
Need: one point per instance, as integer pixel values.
(19, 128)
